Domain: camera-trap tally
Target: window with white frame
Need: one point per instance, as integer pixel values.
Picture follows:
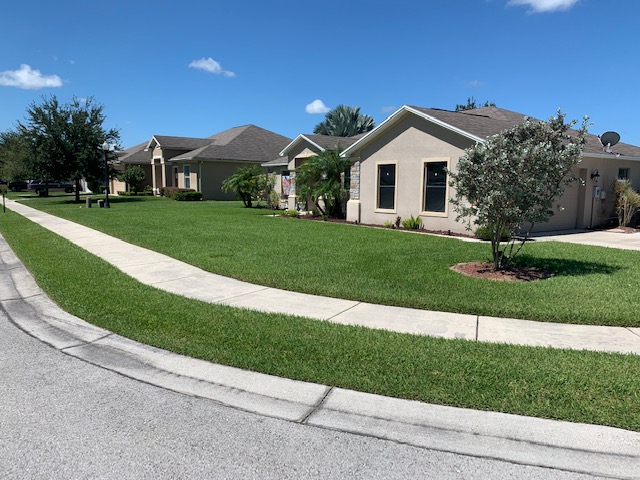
(386, 187)
(623, 174)
(435, 187)
(187, 176)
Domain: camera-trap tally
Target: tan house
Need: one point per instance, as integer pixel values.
(400, 169)
(203, 164)
(296, 152)
(138, 155)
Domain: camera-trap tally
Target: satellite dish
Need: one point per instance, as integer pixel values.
(609, 139)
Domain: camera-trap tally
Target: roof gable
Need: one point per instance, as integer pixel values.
(479, 124)
(320, 143)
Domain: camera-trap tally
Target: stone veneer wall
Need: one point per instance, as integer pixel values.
(354, 186)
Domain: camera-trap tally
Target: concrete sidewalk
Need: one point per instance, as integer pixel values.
(174, 276)
(590, 449)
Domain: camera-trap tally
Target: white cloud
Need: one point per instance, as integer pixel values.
(211, 66)
(474, 83)
(317, 106)
(72, 62)
(28, 79)
(541, 6)
(388, 108)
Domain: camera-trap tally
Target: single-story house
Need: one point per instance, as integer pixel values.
(138, 155)
(203, 164)
(296, 152)
(400, 169)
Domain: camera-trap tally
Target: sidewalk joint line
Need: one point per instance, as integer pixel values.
(317, 407)
(83, 343)
(632, 332)
(477, 326)
(345, 310)
(243, 294)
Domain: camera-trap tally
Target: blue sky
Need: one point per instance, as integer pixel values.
(195, 68)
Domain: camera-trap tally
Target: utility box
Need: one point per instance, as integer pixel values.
(88, 202)
(100, 203)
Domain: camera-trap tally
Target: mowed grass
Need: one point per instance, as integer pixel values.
(575, 386)
(593, 285)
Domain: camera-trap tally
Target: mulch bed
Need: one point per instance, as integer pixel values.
(516, 273)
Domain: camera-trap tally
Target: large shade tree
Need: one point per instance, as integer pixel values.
(511, 181)
(14, 156)
(344, 121)
(65, 139)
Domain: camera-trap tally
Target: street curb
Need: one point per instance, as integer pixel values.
(583, 448)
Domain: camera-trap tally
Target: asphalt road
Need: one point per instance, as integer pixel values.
(63, 418)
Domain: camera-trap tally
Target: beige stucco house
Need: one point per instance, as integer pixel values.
(202, 164)
(299, 150)
(400, 169)
(137, 155)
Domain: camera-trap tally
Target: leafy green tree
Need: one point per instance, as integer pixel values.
(65, 139)
(249, 184)
(513, 179)
(344, 121)
(14, 156)
(322, 177)
(133, 176)
(471, 104)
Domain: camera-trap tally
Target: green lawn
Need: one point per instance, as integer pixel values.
(593, 286)
(567, 385)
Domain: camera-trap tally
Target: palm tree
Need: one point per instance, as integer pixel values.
(344, 121)
(322, 177)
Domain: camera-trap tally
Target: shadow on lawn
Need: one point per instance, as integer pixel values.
(567, 267)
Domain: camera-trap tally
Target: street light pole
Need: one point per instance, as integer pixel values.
(105, 149)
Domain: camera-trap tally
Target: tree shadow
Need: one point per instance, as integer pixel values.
(94, 199)
(567, 267)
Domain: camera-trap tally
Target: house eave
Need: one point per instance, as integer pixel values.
(397, 116)
(296, 141)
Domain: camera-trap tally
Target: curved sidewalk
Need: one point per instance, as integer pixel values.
(572, 447)
(174, 276)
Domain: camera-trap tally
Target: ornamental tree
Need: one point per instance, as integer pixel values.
(511, 181)
(133, 176)
(322, 177)
(249, 184)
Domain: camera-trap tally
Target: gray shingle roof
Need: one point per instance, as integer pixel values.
(330, 143)
(487, 121)
(181, 143)
(136, 155)
(248, 143)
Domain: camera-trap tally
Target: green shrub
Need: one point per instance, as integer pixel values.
(170, 192)
(389, 224)
(412, 223)
(485, 233)
(188, 196)
(290, 213)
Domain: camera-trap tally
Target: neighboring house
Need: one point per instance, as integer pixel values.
(203, 164)
(400, 169)
(296, 152)
(138, 155)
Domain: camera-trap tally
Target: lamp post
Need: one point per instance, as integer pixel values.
(105, 149)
